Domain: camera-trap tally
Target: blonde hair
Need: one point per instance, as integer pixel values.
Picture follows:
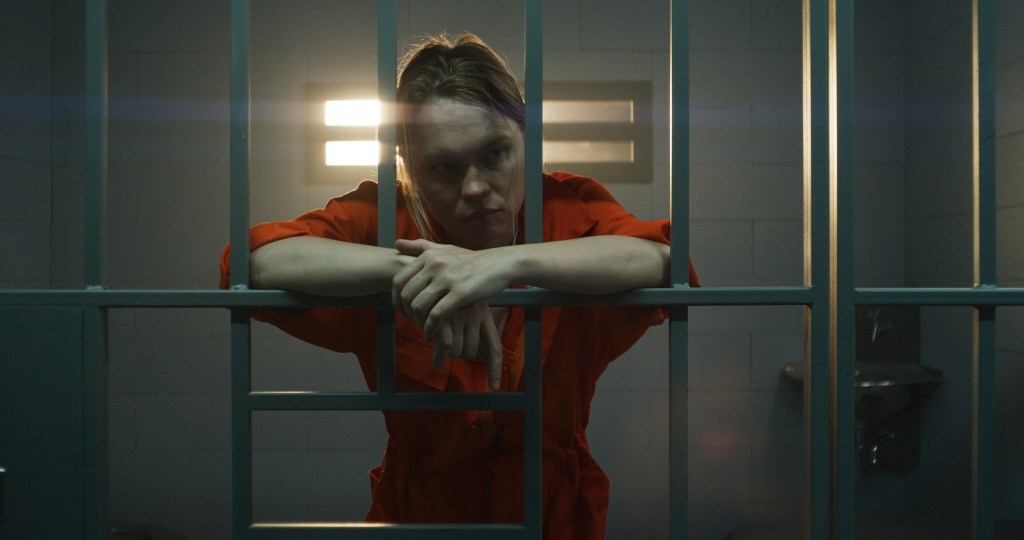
(462, 69)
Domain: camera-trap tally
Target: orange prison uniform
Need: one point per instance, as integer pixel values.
(467, 466)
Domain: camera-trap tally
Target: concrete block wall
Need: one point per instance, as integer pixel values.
(25, 145)
(170, 460)
(939, 246)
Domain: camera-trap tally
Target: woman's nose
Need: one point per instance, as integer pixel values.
(475, 184)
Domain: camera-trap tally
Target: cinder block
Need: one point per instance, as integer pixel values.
(179, 520)
(616, 24)
(940, 61)
(26, 188)
(499, 24)
(733, 419)
(314, 24)
(27, 20)
(776, 133)
(562, 22)
(879, 26)
(629, 521)
(778, 25)
(346, 430)
(283, 363)
(1009, 43)
(22, 253)
(720, 26)
(939, 251)
(879, 255)
(720, 475)
(320, 478)
(1010, 244)
(777, 474)
(171, 478)
(772, 320)
(620, 420)
(778, 251)
(1010, 98)
(722, 251)
(182, 322)
(183, 251)
(599, 65)
(1009, 322)
(738, 192)
(188, 422)
(178, 365)
(637, 475)
(770, 355)
(279, 430)
(643, 368)
(719, 362)
(1010, 170)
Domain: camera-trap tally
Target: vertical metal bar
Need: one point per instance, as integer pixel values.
(241, 415)
(95, 140)
(241, 424)
(94, 423)
(94, 368)
(679, 185)
(841, 29)
(387, 68)
(983, 406)
(532, 376)
(816, 266)
(239, 133)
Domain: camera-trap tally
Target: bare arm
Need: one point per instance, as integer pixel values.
(325, 267)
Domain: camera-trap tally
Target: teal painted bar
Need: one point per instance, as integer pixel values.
(983, 405)
(240, 144)
(94, 424)
(360, 531)
(817, 434)
(189, 298)
(95, 140)
(241, 420)
(679, 184)
(980, 296)
(532, 377)
(96, 510)
(387, 72)
(371, 401)
(844, 457)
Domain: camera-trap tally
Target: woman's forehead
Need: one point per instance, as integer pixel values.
(454, 127)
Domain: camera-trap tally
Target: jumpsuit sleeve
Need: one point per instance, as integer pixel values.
(351, 218)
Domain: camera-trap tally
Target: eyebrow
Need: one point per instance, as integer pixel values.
(486, 145)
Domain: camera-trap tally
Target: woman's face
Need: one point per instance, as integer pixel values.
(468, 164)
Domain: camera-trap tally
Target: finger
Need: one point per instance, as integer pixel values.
(422, 306)
(458, 336)
(401, 280)
(471, 341)
(414, 247)
(443, 307)
(442, 345)
(491, 352)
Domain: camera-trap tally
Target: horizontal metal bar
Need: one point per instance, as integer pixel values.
(704, 296)
(369, 401)
(968, 296)
(356, 530)
(171, 298)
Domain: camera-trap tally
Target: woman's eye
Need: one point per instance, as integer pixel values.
(444, 167)
(495, 155)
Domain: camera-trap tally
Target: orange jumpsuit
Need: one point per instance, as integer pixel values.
(467, 466)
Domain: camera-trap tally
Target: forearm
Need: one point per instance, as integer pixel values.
(325, 267)
(592, 265)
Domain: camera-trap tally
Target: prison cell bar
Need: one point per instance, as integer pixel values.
(678, 340)
(983, 298)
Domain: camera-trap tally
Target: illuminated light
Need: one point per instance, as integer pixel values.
(588, 112)
(588, 151)
(343, 153)
(352, 112)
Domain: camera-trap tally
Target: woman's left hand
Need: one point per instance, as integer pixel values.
(445, 278)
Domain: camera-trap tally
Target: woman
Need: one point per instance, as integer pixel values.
(460, 210)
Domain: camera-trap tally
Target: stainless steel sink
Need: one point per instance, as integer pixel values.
(881, 388)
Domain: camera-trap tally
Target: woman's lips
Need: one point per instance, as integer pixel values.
(481, 217)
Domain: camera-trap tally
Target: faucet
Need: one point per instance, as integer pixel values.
(879, 325)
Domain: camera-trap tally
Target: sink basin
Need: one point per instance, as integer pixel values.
(878, 374)
(881, 388)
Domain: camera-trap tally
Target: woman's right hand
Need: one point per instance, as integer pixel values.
(470, 332)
